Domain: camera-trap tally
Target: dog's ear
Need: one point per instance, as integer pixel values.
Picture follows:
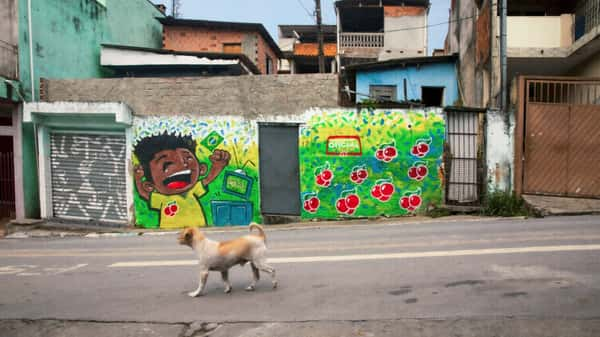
(188, 235)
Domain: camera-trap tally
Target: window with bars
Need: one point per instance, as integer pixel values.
(383, 93)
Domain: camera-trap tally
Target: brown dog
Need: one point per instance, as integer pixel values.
(220, 256)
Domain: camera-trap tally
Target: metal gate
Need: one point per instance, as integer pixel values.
(279, 169)
(88, 177)
(464, 156)
(7, 178)
(561, 143)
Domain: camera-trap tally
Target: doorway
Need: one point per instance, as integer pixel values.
(7, 178)
(279, 169)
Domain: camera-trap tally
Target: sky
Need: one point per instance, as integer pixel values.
(272, 13)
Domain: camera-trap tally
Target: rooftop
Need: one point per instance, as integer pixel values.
(379, 3)
(404, 62)
(177, 58)
(224, 25)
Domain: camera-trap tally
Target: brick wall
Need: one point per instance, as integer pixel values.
(396, 11)
(483, 35)
(263, 50)
(199, 39)
(255, 97)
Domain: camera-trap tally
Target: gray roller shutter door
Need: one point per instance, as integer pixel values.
(88, 177)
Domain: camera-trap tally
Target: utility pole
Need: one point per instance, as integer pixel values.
(175, 8)
(503, 66)
(320, 36)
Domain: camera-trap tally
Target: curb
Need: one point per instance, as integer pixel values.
(45, 231)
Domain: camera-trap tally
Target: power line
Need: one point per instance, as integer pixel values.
(433, 25)
(311, 15)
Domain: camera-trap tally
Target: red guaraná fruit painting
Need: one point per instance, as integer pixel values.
(418, 171)
(348, 202)
(386, 152)
(171, 209)
(311, 202)
(421, 147)
(383, 190)
(323, 175)
(411, 200)
(359, 174)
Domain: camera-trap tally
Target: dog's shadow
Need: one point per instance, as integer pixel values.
(238, 289)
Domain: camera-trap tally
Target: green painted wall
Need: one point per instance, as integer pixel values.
(30, 175)
(370, 163)
(232, 198)
(10, 91)
(67, 37)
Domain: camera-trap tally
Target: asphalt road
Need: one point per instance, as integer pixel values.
(537, 268)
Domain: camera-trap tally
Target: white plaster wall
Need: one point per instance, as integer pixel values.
(286, 43)
(500, 151)
(398, 38)
(534, 31)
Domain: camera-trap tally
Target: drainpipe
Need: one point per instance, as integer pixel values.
(30, 50)
(503, 74)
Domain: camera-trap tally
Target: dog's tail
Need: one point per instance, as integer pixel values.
(261, 232)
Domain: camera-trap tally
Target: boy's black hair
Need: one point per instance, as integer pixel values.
(149, 146)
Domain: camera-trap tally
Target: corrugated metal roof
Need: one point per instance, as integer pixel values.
(404, 62)
(214, 56)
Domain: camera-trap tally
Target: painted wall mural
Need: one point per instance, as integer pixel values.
(192, 172)
(370, 163)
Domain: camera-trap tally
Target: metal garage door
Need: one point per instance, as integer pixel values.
(279, 169)
(561, 148)
(88, 177)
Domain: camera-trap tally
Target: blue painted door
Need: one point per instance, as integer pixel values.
(227, 213)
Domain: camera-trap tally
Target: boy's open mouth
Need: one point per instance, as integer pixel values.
(178, 180)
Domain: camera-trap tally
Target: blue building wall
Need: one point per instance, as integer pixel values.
(425, 75)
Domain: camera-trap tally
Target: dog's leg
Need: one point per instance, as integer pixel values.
(255, 277)
(267, 269)
(201, 284)
(225, 276)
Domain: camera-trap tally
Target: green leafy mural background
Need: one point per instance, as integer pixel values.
(394, 170)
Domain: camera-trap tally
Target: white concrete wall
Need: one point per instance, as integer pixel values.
(286, 43)
(398, 38)
(500, 151)
(539, 31)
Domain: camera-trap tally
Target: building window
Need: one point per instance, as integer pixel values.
(232, 48)
(383, 93)
(269, 65)
(432, 96)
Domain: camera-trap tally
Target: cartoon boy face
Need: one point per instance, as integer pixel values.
(175, 171)
(168, 165)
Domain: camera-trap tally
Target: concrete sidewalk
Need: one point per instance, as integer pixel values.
(484, 327)
(549, 205)
(45, 229)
